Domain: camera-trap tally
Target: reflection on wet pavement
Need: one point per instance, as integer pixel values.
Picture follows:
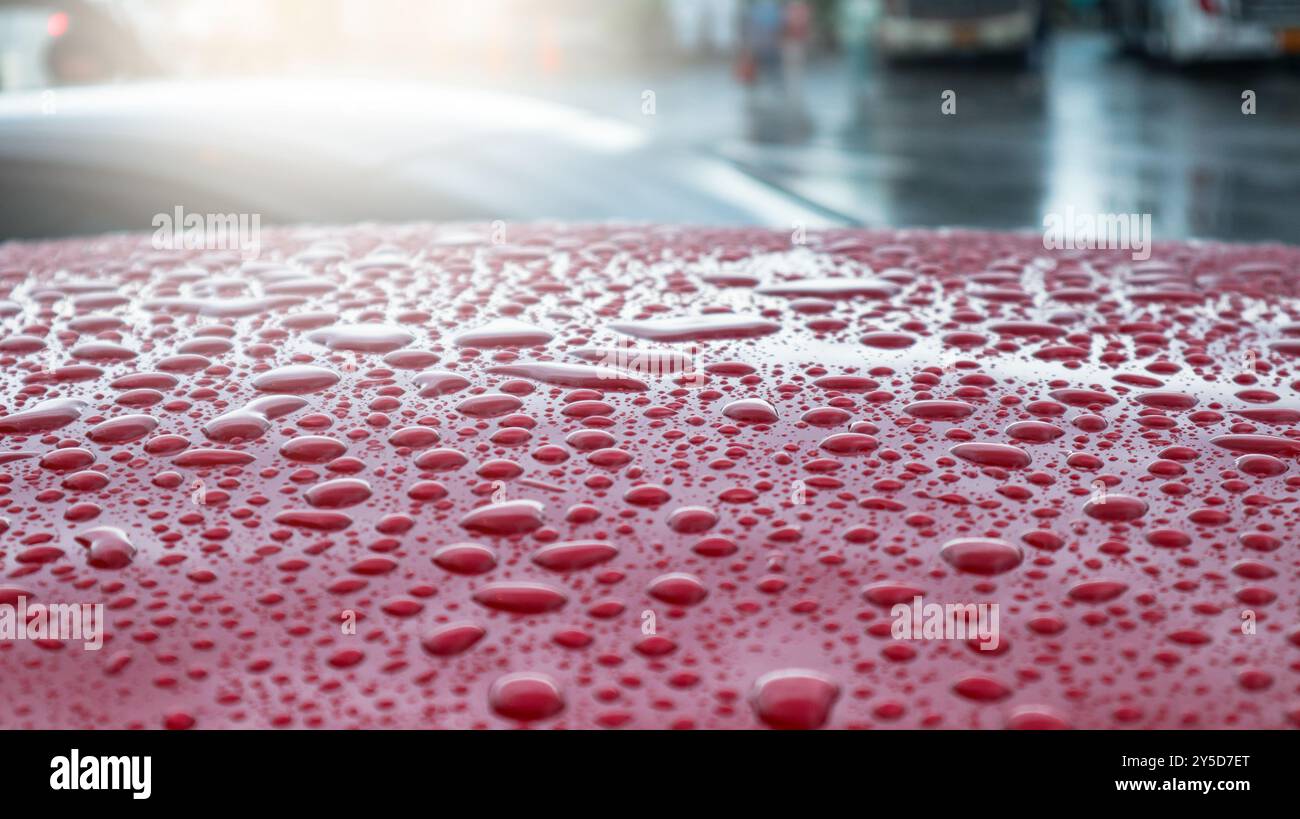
(1091, 130)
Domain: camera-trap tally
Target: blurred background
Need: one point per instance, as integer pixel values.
(982, 113)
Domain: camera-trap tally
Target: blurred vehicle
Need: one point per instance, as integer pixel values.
(68, 42)
(1185, 31)
(85, 160)
(932, 28)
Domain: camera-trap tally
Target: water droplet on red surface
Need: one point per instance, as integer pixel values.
(794, 699)
(452, 639)
(570, 556)
(1098, 591)
(753, 410)
(508, 518)
(520, 597)
(366, 338)
(939, 410)
(296, 379)
(108, 547)
(45, 416)
(981, 688)
(526, 696)
(984, 556)
(466, 558)
(504, 333)
(678, 589)
(338, 493)
(1115, 507)
(697, 328)
(1003, 455)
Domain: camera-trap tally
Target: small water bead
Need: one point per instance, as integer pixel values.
(453, 639)
(939, 410)
(253, 420)
(1258, 444)
(1034, 432)
(316, 449)
(45, 416)
(832, 288)
(506, 518)
(989, 454)
(1115, 507)
(439, 382)
(794, 699)
(296, 379)
(573, 375)
(66, 459)
(411, 359)
(1083, 397)
(889, 593)
(752, 410)
(887, 340)
(526, 696)
(314, 520)
(366, 337)
(441, 459)
(1277, 416)
(826, 417)
(504, 333)
(610, 458)
(338, 493)
(1098, 591)
(466, 558)
(85, 481)
(107, 547)
(698, 328)
(166, 444)
(692, 519)
(489, 405)
(982, 556)
(122, 429)
(1036, 718)
(678, 589)
(574, 555)
(849, 443)
(981, 688)
(1167, 400)
(519, 597)
(102, 351)
(139, 398)
(647, 495)
(414, 437)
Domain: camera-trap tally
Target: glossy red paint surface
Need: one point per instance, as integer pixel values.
(650, 477)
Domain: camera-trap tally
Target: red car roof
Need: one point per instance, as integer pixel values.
(650, 477)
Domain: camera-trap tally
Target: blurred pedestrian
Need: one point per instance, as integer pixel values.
(796, 29)
(1042, 35)
(764, 22)
(854, 25)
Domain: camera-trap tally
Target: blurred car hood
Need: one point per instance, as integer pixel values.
(109, 157)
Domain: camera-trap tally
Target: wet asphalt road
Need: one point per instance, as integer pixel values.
(1087, 129)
